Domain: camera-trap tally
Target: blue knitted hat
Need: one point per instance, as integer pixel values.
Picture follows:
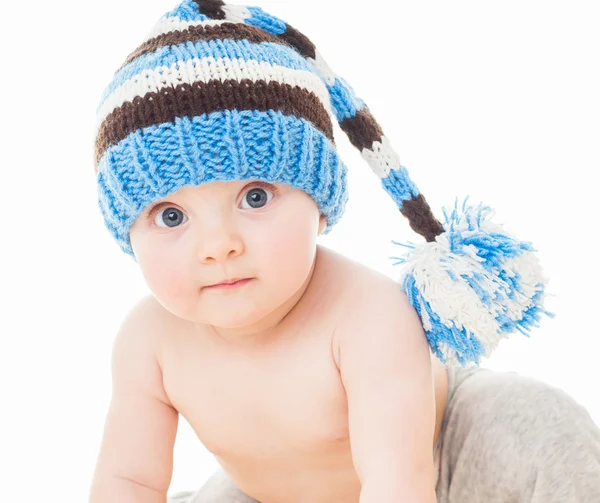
(222, 92)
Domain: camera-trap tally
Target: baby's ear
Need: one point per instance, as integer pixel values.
(322, 224)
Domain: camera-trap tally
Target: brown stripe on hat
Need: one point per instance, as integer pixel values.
(362, 129)
(299, 41)
(421, 219)
(232, 31)
(211, 8)
(204, 98)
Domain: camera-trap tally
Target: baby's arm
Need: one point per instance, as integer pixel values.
(135, 463)
(385, 366)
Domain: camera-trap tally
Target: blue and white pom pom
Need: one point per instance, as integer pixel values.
(473, 286)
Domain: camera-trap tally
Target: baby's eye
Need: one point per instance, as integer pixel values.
(171, 217)
(256, 197)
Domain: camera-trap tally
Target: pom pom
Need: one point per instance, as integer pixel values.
(473, 286)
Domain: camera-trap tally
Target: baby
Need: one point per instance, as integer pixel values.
(310, 377)
(278, 374)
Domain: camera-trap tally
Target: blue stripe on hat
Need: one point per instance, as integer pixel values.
(265, 21)
(399, 186)
(344, 100)
(187, 10)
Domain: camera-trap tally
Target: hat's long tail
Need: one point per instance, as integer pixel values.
(350, 111)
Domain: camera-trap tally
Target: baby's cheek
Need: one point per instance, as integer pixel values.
(291, 259)
(168, 282)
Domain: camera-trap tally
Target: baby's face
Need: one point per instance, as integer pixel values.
(203, 235)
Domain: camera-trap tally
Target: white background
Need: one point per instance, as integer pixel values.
(498, 100)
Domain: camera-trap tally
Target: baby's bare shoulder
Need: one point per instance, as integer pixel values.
(152, 318)
(355, 278)
(153, 324)
(358, 287)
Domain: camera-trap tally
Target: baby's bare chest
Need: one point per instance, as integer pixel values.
(261, 404)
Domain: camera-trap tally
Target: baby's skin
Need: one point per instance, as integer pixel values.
(274, 407)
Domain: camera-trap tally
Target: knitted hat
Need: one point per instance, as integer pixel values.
(222, 92)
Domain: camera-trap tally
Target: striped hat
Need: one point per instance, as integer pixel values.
(222, 92)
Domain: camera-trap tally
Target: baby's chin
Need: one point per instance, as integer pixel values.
(237, 313)
(231, 316)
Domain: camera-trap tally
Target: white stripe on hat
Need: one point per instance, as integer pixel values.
(207, 69)
(323, 68)
(381, 157)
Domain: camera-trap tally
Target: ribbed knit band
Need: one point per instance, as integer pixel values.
(229, 145)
